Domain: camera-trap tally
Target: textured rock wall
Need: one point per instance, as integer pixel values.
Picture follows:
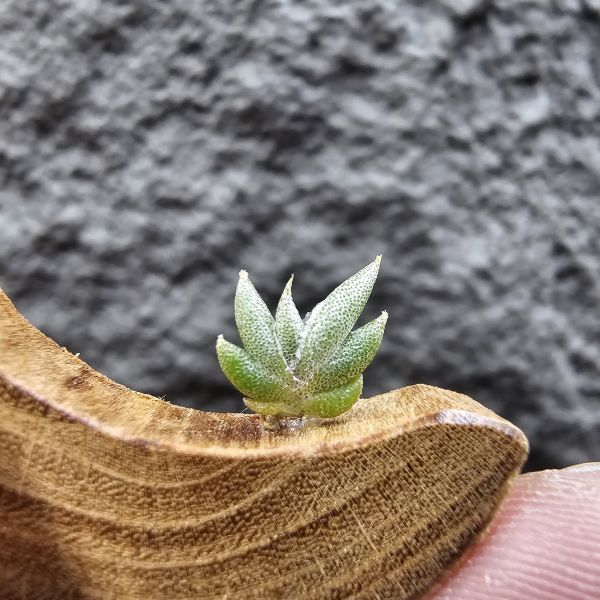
(149, 150)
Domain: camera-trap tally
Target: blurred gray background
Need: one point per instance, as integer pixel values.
(148, 151)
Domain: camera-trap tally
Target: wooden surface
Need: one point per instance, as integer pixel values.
(111, 494)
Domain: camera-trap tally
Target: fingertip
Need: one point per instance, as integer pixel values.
(590, 467)
(543, 543)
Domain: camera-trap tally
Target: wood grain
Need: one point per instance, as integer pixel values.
(111, 494)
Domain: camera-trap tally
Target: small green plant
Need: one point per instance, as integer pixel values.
(302, 367)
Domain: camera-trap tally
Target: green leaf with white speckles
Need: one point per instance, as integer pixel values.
(288, 323)
(246, 374)
(335, 402)
(331, 320)
(353, 357)
(257, 327)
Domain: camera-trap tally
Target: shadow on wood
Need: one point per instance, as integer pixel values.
(111, 494)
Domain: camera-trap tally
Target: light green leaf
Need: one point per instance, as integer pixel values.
(288, 323)
(353, 357)
(246, 374)
(257, 327)
(332, 320)
(335, 402)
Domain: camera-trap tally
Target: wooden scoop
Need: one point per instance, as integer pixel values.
(111, 494)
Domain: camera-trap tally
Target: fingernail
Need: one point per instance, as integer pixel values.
(584, 467)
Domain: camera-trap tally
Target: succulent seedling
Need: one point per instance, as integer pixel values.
(294, 367)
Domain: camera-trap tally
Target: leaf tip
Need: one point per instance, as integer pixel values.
(378, 259)
(220, 345)
(243, 274)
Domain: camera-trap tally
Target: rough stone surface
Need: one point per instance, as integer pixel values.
(150, 150)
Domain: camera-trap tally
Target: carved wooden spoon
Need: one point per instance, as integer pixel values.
(111, 494)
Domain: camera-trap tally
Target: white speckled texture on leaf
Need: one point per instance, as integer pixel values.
(292, 367)
(331, 320)
(257, 327)
(288, 324)
(353, 357)
(246, 374)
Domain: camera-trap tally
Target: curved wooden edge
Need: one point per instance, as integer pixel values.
(35, 365)
(111, 494)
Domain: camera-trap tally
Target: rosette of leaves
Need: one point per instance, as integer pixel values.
(311, 367)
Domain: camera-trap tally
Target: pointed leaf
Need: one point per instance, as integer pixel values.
(335, 402)
(246, 374)
(353, 357)
(288, 324)
(257, 327)
(332, 320)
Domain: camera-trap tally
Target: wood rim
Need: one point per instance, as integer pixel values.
(380, 501)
